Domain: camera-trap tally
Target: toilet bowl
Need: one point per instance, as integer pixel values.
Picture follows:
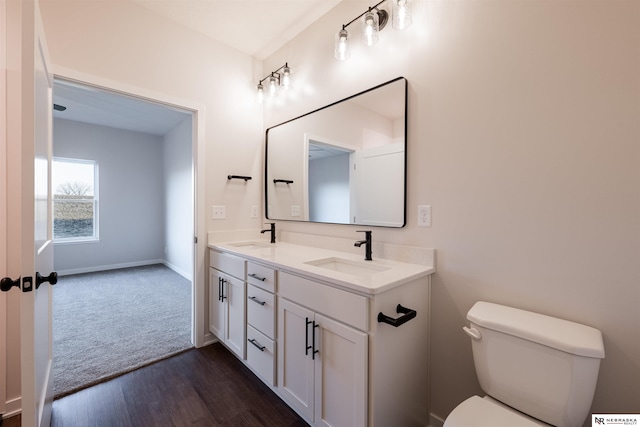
(485, 411)
(536, 370)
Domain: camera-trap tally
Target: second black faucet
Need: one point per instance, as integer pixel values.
(272, 230)
(367, 243)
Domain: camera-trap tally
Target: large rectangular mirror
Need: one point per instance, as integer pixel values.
(344, 163)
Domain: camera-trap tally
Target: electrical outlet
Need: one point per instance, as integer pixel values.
(218, 212)
(295, 210)
(254, 212)
(424, 216)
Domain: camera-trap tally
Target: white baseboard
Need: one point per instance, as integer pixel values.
(435, 421)
(186, 275)
(111, 267)
(13, 407)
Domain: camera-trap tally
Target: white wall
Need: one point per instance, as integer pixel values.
(131, 201)
(524, 136)
(178, 201)
(155, 54)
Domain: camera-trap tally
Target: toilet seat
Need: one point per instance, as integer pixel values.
(487, 412)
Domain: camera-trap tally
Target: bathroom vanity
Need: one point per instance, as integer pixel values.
(343, 341)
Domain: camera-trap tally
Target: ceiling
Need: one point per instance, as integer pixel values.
(255, 27)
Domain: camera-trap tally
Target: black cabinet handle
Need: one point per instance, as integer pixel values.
(255, 276)
(408, 314)
(306, 336)
(255, 343)
(257, 301)
(313, 338)
(221, 296)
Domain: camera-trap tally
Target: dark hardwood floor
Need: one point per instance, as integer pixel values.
(201, 387)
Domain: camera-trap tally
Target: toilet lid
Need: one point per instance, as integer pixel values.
(478, 411)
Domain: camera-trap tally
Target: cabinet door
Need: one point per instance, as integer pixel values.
(295, 362)
(235, 298)
(341, 373)
(217, 311)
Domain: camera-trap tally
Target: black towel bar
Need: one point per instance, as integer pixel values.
(408, 314)
(246, 178)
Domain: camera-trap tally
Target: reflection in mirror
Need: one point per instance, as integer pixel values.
(344, 163)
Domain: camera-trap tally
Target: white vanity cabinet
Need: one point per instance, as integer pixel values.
(342, 349)
(227, 294)
(261, 319)
(322, 367)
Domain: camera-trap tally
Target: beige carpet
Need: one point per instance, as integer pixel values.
(112, 322)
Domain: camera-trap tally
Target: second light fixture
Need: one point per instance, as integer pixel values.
(278, 78)
(373, 21)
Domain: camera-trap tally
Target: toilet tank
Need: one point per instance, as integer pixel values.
(540, 365)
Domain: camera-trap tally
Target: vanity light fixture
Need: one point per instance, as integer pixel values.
(274, 80)
(373, 21)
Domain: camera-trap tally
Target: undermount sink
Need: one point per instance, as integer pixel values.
(250, 245)
(347, 266)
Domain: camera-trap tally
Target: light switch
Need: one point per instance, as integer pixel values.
(218, 212)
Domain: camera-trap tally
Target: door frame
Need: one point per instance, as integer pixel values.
(197, 110)
(3, 204)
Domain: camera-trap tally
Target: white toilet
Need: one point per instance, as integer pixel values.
(536, 370)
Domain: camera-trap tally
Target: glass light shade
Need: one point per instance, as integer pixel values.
(400, 15)
(260, 94)
(286, 77)
(370, 28)
(273, 85)
(342, 45)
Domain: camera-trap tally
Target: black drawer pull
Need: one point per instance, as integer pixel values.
(408, 314)
(255, 343)
(256, 300)
(255, 276)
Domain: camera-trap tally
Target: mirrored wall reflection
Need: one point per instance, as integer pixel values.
(344, 163)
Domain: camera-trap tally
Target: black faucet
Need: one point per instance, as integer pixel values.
(272, 230)
(367, 242)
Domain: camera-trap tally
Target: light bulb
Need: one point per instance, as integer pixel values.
(342, 45)
(273, 85)
(286, 77)
(370, 28)
(400, 15)
(260, 95)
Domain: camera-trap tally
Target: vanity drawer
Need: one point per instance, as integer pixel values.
(261, 311)
(344, 306)
(230, 264)
(261, 355)
(261, 276)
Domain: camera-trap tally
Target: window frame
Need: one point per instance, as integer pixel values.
(95, 237)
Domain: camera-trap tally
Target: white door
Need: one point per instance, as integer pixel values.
(29, 145)
(341, 373)
(295, 362)
(235, 299)
(377, 180)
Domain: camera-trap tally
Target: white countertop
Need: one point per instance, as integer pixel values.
(294, 258)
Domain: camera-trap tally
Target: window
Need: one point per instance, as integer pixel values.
(75, 200)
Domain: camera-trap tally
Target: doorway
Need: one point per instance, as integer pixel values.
(144, 206)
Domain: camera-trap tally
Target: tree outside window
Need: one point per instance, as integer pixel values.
(75, 200)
